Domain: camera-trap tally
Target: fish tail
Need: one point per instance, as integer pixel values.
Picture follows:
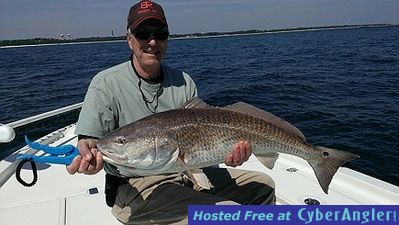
(332, 159)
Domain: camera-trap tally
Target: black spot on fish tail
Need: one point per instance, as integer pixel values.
(326, 168)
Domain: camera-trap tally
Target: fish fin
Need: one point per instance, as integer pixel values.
(246, 108)
(181, 161)
(195, 103)
(326, 168)
(269, 159)
(202, 180)
(250, 110)
(197, 178)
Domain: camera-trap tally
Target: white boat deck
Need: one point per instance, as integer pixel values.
(60, 198)
(56, 198)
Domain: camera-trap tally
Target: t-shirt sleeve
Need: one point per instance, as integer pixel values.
(191, 88)
(96, 117)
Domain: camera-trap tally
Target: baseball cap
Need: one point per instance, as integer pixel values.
(145, 10)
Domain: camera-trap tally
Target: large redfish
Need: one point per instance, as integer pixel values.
(198, 135)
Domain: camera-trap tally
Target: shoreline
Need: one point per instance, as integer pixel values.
(216, 34)
(54, 44)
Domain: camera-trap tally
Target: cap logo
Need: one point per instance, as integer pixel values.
(146, 5)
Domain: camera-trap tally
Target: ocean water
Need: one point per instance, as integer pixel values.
(339, 87)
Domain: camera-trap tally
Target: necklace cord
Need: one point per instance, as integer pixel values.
(156, 95)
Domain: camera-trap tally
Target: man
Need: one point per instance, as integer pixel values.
(138, 88)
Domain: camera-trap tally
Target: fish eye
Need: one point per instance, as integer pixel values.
(120, 140)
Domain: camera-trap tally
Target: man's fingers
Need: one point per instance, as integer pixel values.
(74, 166)
(99, 161)
(85, 147)
(240, 154)
(97, 164)
(248, 150)
(84, 165)
(90, 161)
(94, 165)
(228, 160)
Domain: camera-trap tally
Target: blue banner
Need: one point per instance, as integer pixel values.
(293, 214)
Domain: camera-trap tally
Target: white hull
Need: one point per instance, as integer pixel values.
(60, 198)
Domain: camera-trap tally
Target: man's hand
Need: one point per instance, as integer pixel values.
(240, 154)
(90, 160)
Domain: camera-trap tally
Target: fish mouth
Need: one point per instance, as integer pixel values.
(114, 159)
(110, 157)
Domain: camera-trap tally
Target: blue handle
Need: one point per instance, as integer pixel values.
(63, 154)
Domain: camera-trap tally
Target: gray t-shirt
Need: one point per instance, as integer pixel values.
(114, 99)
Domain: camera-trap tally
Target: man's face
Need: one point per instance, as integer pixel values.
(148, 44)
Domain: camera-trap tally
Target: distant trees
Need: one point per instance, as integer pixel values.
(38, 41)
(41, 41)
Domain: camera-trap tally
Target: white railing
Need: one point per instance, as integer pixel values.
(7, 132)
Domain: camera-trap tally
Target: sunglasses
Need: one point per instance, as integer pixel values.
(159, 35)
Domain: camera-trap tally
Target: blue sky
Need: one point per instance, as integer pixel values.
(91, 18)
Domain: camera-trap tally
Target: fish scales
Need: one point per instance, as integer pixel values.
(221, 129)
(198, 136)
